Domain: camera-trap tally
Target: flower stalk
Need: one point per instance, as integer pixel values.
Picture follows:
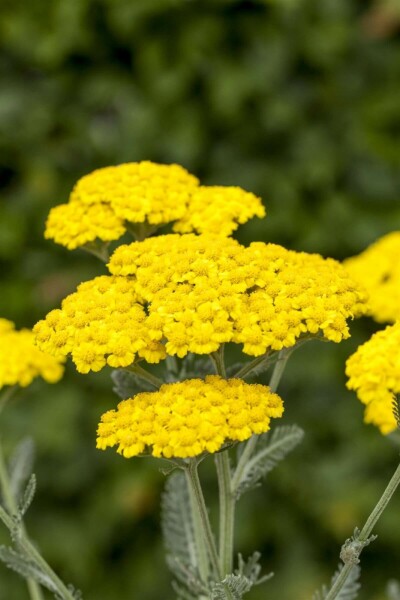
(352, 548)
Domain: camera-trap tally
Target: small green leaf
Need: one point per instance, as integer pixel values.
(274, 447)
(27, 496)
(127, 384)
(21, 465)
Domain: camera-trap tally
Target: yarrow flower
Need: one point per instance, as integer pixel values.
(21, 361)
(188, 418)
(177, 294)
(103, 202)
(378, 270)
(108, 201)
(374, 373)
(219, 209)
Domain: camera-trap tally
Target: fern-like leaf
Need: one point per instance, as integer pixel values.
(21, 465)
(24, 567)
(178, 532)
(350, 589)
(273, 449)
(27, 496)
(233, 587)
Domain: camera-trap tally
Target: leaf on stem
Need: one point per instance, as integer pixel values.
(178, 531)
(350, 589)
(128, 384)
(25, 567)
(21, 465)
(27, 496)
(273, 447)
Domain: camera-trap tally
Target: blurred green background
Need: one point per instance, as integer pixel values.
(295, 100)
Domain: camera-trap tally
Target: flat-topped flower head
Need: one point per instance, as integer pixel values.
(203, 291)
(188, 418)
(103, 322)
(73, 225)
(21, 361)
(374, 373)
(378, 270)
(178, 294)
(105, 201)
(219, 209)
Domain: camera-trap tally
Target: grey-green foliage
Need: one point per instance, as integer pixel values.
(178, 532)
(21, 465)
(127, 384)
(22, 565)
(393, 590)
(350, 589)
(272, 448)
(237, 584)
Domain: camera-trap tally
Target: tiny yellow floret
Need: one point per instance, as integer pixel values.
(189, 418)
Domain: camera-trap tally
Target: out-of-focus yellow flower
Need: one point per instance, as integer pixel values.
(21, 361)
(219, 209)
(177, 294)
(188, 418)
(374, 373)
(378, 270)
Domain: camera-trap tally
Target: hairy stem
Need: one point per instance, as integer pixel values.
(227, 513)
(201, 509)
(361, 540)
(252, 442)
(218, 361)
(11, 505)
(143, 374)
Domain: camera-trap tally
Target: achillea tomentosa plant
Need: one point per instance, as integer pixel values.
(177, 299)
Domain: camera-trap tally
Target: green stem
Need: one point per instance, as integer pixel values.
(252, 442)
(249, 367)
(11, 505)
(200, 506)
(149, 377)
(361, 540)
(218, 361)
(202, 555)
(100, 251)
(227, 513)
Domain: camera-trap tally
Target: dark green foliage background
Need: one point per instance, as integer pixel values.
(290, 99)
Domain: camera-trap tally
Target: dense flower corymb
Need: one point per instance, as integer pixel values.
(188, 418)
(177, 294)
(101, 323)
(21, 361)
(104, 201)
(374, 373)
(378, 270)
(219, 209)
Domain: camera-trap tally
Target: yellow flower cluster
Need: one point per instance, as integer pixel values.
(219, 209)
(378, 270)
(104, 203)
(101, 323)
(188, 418)
(374, 373)
(177, 294)
(21, 361)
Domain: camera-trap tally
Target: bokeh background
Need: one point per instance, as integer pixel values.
(295, 100)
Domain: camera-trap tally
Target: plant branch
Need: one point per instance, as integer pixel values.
(149, 377)
(352, 548)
